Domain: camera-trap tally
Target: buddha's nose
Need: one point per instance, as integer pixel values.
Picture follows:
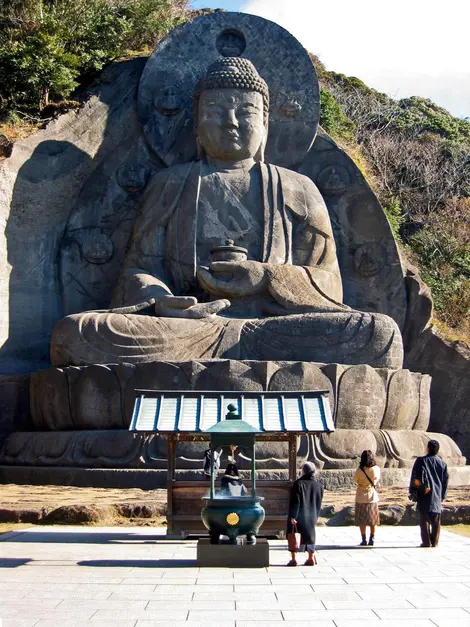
(230, 120)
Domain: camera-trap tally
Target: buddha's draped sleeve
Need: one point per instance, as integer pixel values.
(144, 276)
(312, 281)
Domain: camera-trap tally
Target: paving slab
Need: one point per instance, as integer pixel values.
(95, 577)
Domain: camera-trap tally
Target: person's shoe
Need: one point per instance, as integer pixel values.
(311, 561)
(371, 541)
(363, 542)
(425, 546)
(292, 563)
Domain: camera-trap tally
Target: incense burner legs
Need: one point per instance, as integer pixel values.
(233, 517)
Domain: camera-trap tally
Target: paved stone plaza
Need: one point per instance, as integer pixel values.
(134, 577)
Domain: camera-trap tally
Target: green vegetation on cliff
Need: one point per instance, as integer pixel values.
(49, 47)
(415, 155)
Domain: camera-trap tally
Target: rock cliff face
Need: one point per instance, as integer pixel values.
(449, 365)
(39, 185)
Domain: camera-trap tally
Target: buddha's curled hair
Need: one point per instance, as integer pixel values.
(232, 73)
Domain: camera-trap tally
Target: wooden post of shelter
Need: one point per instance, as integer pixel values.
(170, 477)
(292, 457)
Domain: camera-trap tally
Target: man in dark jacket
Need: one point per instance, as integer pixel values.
(429, 479)
(304, 509)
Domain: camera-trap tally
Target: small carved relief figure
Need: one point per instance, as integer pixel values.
(282, 299)
(333, 180)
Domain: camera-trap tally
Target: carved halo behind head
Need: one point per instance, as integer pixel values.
(251, 44)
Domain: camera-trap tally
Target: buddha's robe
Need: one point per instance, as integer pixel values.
(300, 316)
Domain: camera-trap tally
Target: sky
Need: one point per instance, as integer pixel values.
(403, 48)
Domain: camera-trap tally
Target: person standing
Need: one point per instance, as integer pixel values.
(207, 462)
(428, 486)
(304, 508)
(367, 478)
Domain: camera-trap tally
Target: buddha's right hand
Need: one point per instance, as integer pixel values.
(188, 307)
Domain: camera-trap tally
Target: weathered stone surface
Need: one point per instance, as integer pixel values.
(14, 404)
(302, 376)
(373, 277)
(449, 365)
(418, 310)
(391, 514)
(122, 449)
(39, 185)
(227, 375)
(344, 517)
(403, 402)
(342, 448)
(400, 448)
(361, 399)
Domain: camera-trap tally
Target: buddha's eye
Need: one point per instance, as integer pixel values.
(247, 110)
(213, 112)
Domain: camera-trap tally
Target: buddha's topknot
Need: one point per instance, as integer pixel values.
(233, 72)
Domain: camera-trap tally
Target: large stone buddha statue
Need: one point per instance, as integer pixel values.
(274, 295)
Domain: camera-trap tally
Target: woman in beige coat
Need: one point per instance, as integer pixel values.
(367, 478)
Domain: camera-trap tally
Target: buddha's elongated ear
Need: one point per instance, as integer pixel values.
(259, 156)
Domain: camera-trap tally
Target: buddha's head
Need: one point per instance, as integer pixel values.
(231, 108)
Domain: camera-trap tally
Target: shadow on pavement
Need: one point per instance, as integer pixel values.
(87, 537)
(163, 563)
(14, 562)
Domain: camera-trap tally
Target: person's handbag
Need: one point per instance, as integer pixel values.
(293, 539)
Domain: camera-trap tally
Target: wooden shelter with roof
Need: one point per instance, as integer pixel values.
(190, 415)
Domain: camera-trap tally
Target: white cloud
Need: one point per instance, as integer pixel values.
(404, 47)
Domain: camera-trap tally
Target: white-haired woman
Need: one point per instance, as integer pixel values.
(304, 508)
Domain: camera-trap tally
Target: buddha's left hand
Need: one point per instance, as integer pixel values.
(233, 278)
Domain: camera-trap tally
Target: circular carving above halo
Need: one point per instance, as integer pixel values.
(97, 248)
(231, 43)
(333, 180)
(232, 519)
(369, 259)
(178, 62)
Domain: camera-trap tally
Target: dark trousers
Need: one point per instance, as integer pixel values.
(430, 524)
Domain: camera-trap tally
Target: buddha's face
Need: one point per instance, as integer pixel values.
(231, 123)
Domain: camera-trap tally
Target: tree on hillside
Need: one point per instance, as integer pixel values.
(48, 48)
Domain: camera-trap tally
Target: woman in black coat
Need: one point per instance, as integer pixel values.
(304, 509)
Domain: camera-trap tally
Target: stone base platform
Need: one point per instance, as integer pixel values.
(152, 479)
(233, 556)
(80, 418)
(102, 396)
(122, 449)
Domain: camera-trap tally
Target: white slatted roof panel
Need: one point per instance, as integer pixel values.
(169, 413)
(252, 411)
(195, 412)
(272, 418)
(293, 414)
(210, 413)
(189, 413)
